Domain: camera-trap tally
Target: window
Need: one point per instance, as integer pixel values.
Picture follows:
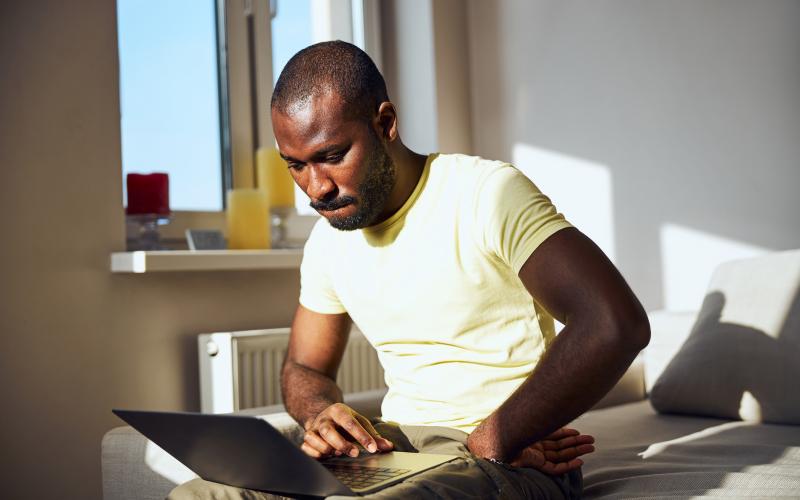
(291, 32)
(170, 97)
(194, 95)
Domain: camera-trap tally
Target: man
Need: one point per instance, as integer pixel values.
(454, 268)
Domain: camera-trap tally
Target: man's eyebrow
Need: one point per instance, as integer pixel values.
(333, 148)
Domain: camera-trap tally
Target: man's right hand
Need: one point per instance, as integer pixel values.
(337, 429)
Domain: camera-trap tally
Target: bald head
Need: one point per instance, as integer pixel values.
(337, 67)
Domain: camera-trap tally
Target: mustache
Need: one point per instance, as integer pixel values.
(334, 204)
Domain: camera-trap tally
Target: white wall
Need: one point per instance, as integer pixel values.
(692, 109)
(408, 67)
(426, 67)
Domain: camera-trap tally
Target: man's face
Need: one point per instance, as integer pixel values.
(337, 160)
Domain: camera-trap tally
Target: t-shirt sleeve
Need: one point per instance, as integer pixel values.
(316, 287)
(513, 216)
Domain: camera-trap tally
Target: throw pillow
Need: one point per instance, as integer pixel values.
(742, 357)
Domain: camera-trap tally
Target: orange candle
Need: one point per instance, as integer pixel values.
(272, 176)
(248, 219)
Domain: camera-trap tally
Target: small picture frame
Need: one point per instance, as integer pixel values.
(205, 239)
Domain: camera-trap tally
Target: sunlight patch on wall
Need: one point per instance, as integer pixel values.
(579, 188)
(689, 257)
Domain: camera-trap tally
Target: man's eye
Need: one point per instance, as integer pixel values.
(335, 158)
(295, 166)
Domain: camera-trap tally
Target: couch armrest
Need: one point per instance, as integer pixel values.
(126, 472)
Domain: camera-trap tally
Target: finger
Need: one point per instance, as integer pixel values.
(312, 439)
(568, 454)
(561, 433)
(531, 457)
(383, 443)
(310, 451)
(327, 431)
(353, 427)
(566, 442)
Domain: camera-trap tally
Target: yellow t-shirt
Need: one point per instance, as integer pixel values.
(435, 290)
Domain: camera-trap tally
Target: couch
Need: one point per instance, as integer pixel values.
(711, 408)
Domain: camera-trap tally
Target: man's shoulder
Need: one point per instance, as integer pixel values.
(467, 167)
(465, 161)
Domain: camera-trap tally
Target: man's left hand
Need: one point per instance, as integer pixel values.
(557, 453)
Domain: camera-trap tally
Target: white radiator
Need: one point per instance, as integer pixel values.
(241, 370)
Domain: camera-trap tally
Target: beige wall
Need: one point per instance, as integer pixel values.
(76, 339)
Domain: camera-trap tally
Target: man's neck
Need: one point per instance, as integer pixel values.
(408, 167)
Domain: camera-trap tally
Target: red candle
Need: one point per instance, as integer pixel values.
(148, 194)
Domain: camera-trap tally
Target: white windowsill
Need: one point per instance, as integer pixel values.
(204, 260)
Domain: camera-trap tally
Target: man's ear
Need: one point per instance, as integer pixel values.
(386, 122)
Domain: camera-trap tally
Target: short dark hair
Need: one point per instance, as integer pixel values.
(338, 66)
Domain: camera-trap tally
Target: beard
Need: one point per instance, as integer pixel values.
(372, 193)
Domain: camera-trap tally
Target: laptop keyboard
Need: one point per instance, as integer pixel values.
(358, 477)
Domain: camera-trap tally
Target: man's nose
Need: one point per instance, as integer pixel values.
(320, 186)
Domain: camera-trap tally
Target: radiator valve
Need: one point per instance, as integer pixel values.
(212, 348)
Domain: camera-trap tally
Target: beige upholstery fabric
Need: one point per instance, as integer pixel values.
(742, 357)
(643, 454)
(126, 475)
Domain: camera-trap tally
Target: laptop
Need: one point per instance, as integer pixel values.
(247, 452)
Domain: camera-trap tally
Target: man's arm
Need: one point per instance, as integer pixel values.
(605, 327)
(310, 392)
(308, 376)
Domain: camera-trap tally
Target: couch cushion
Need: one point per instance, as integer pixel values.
(742, 357)
(641, 453)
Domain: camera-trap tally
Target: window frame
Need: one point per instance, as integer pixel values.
(244, 37)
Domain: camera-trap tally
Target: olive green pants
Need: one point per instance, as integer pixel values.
(464, 478)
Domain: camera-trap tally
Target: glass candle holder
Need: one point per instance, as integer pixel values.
(142, 231)
(279, 217)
